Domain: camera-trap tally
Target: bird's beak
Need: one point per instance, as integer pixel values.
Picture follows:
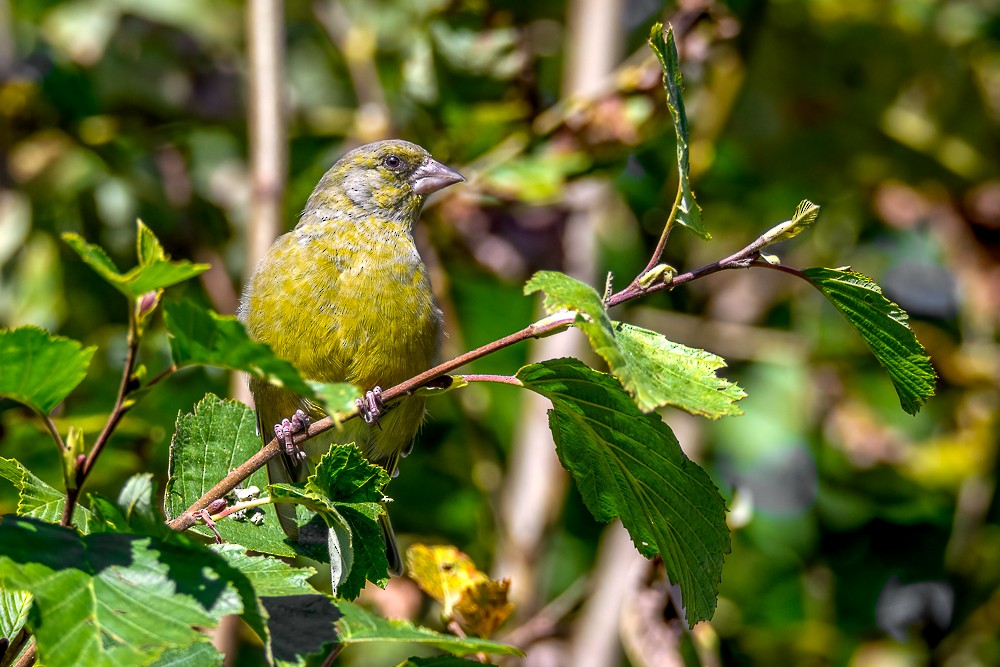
(432, 176)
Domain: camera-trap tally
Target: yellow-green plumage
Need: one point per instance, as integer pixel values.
(345, 297)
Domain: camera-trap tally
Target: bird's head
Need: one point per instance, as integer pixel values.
(388, 179)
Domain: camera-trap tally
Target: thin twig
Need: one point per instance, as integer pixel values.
(499, 379)
(50, 425)
(167, 372)
(333, 655)
(30, 655)
(119, 410)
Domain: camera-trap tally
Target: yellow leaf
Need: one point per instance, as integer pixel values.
(443, 572)
(483, 607)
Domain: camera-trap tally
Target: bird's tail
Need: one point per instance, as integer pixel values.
(391, 548)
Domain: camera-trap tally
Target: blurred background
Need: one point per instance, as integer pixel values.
(861, 536)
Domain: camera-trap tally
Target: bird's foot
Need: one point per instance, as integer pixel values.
(370, 407)
(289, 427)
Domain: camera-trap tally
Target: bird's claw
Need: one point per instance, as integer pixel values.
(289, 427)
(370, 407)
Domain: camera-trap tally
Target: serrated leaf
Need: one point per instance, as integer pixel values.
(883, 326)
(155, 270)
(14, 608)
(654, 370)
(39, 369)
(661, 41)
(345, 487)
(199, 336)
(269, 576)
(668, 373)
(207, 444)
(357, 626)
(629, 465)
(137, 512)
(199, 654)
(109, 599)
(37, 499)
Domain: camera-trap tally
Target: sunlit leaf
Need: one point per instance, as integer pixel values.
(358, 626)
(443, 572)
(207, 445)
(483, 607)
(111, 600)
(629, 465)
(654, 370)
(346, 491)
(200, 336)
(661, 41)
(154, 271)
(39, 369)
(883, 326)
(804, 217)
(37, 499)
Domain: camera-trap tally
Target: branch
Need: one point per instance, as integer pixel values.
(120, 408)
(553, 324)
(50, 425)
(29, 656)
(274, 447)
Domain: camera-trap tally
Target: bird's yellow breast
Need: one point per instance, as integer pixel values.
(350, 305)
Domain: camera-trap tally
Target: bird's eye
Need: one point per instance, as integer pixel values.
(392, 162)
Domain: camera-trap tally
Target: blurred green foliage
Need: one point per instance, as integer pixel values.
(885, 112)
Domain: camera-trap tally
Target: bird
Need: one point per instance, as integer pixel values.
(346, 297)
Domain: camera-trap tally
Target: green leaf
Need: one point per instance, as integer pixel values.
(269, 576)
(207, 444)
(667, 373)
(199, 336)
(14, 608)
(39, 369)
(155, 270)
(346, 489)
(136, 510)
(654, 370)
(357, 625)
(109, 599)
(199, 654)
(37, 499)
(883, 326)
(661, 41)
(629, 465)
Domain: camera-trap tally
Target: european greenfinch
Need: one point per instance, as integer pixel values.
(345, 297)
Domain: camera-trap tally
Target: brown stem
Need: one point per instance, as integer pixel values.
(499, 379)
(119, 410)
(333, 655)
(29, 656)
(50, 425)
